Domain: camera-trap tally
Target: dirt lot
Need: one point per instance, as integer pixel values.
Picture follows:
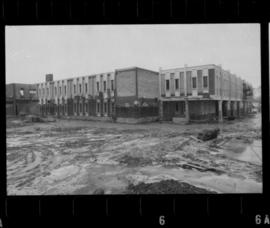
(87, 157)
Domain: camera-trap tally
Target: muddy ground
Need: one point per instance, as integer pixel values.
(87, 157)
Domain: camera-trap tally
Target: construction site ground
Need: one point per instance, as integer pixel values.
(88, 157)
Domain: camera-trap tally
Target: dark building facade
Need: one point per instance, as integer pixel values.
(21, 99)
(136, 95)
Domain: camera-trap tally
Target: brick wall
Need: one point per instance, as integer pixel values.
(126, 83)
(9, 91)
(147, 84)
(18, 87)
(121, 101)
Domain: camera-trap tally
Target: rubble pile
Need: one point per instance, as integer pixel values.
(208, 134)
(166, 187)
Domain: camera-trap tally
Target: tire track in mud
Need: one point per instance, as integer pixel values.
(36, 162)
(62, 161)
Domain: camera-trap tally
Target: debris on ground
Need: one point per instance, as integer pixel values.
(33, 119)
(166, 187)
(135, 161)
(69, 156)
(208, 134)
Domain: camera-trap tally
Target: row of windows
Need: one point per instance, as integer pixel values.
(79, 107)
(105, 85)
(42, 91)
(194, 83)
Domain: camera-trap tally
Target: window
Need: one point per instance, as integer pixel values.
(98, 86)
(97, 107)
(167, 84)
(85, 88)
(205, 82)
(80, 86)
(176, 83)
(194, 86)
(104, 85)
(32, 91)
(111, 84)
(105, 107)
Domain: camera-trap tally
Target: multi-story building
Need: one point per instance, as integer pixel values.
(201, 93)
(126, 95)
(196, 93)
(91, 95)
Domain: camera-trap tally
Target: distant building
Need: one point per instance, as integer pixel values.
(201, 93)
(133, 95)
(21, 99)
(126, 95)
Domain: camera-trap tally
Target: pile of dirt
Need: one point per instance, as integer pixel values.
(166, 187)
(99, 191)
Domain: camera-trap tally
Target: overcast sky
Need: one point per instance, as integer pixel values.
(71, 51)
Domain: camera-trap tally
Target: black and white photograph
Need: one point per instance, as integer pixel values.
(133, 109)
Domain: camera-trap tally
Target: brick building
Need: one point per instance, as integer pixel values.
(126, 95)
(132, 95)
(21, 99)
(201, 93)
(137, 94)
(91, 95)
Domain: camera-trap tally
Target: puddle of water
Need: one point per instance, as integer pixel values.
(246, 152)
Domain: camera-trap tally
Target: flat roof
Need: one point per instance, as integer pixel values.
(134, 68)
(76, 77)
(178, 68)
